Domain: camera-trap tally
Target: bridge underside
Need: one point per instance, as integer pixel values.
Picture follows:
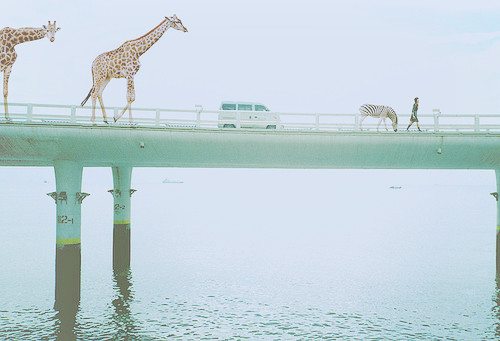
(41, 145)
(70, 148)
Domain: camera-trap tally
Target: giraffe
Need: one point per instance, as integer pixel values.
(9, 38)
(123, 62)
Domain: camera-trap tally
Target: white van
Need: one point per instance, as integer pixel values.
(251, 115)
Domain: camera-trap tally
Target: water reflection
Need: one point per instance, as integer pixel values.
(122, 317)
(66, 322)
(123, 327)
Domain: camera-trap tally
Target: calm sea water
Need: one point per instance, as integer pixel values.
(260, 254)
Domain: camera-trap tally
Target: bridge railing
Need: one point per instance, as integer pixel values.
(53, 114)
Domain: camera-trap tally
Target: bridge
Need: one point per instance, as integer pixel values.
(63, 137)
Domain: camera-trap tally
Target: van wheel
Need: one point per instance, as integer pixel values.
(229, 126)
(271, 127)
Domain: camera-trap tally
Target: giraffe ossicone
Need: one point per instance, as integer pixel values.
(123, 62)
(9, 38)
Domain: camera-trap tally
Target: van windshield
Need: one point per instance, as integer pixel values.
(259, 107)
(227, 106)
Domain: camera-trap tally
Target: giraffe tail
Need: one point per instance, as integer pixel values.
(87, 98)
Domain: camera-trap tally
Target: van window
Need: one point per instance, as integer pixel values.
(259, 107)
(228, 106)
(245, 107)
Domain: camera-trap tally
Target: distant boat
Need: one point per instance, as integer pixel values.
(170, 181)
(395, 187)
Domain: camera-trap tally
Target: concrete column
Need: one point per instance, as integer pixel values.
(68, 198)
(498, 220)
(121, 192)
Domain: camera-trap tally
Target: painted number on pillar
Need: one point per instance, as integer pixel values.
(119, 207)
(64, 219)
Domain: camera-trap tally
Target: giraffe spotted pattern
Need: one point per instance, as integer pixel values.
(123, 62)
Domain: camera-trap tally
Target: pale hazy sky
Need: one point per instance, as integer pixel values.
(308, 56)
(324, 56)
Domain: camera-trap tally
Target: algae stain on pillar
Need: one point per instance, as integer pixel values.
(121, 192)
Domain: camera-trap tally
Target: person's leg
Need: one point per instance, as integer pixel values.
(416, 120)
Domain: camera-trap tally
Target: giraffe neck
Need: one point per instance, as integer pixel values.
(22, 35)
(143, 43)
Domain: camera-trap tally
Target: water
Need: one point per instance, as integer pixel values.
(260, 254)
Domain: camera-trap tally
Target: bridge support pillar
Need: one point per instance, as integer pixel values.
(68, 198)
(121, 192)
(498, 220)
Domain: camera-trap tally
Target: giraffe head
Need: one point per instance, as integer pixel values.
(51, 31)
(176, 23)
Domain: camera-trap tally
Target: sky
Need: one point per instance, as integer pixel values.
(317, 56)
(293, 56)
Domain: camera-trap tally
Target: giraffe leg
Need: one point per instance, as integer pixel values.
(6, 75)
(94, 98)
(121, 114)
(130, 99)
(93, 95)
(101, 103)
(105, 119)
(6, 108)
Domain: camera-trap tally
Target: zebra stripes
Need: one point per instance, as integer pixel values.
(381, 112)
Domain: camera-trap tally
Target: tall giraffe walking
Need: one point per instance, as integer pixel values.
(124, 63)
(9, 38)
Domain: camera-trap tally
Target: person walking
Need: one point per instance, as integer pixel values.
(414, 117)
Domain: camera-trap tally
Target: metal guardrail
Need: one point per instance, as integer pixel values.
(53, 114)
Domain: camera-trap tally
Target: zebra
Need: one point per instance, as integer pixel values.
(380, 111)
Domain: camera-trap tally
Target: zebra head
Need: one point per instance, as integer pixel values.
(393, 117)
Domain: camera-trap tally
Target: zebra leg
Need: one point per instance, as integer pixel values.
(361, 122)
(379, 121)
(385, 125)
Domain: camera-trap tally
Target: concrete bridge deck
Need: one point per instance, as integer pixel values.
(100, 146)
(41, 134)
